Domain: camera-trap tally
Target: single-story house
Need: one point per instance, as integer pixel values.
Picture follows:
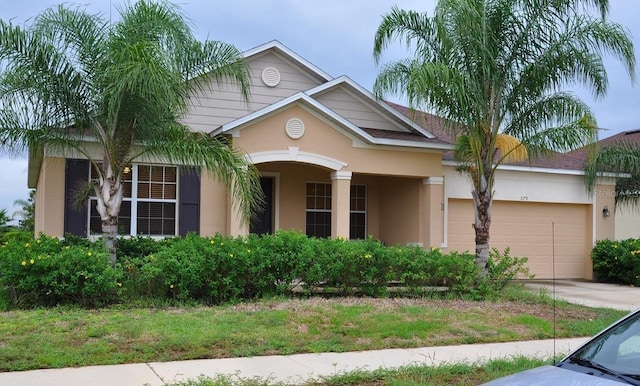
(335, 161)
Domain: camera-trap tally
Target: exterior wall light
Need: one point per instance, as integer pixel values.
(605, 211)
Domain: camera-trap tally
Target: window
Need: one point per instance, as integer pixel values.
(318, 209)
(358, 212)
(149, 206)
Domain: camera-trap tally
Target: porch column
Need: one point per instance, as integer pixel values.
(432, 214)
(340, 203)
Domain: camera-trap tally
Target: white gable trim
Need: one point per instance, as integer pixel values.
(234, 126)
(293, 154)
(285, 50)
(348, 81)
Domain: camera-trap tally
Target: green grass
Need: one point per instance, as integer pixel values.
(445, 375)
(64, 337)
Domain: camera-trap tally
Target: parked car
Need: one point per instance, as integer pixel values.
(610, 358)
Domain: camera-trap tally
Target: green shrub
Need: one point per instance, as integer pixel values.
(16, 235)
(219, 269)
(504, 268)
(617, 261)
(279, 260)
(44, 271)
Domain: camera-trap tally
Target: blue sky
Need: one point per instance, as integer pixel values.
(334, 35)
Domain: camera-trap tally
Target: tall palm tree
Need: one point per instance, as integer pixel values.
(72, 81)
(495, 70)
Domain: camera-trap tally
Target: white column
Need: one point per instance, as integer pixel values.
(432, 213)
(340, 203)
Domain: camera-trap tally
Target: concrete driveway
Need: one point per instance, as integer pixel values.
(590, 293)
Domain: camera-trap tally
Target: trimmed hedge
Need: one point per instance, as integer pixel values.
(213, 270)
(617, 261)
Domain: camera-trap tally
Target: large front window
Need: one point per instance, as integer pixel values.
(149, 203)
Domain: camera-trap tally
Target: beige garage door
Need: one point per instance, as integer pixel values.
(530, 229)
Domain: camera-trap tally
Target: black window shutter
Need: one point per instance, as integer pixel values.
(189, 201)
(76, 176)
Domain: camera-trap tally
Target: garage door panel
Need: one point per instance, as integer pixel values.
(529, 229)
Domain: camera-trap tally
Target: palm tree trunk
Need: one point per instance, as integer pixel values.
(482, 209)
(109, 194)
(110, 238)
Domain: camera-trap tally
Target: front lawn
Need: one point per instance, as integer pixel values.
(64, 336)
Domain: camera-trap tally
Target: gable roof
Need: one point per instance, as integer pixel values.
(290, 56)
(372, 136)
(345, 81)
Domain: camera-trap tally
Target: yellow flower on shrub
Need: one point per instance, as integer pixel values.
(89, 253)
(212, 242)
(23, 262)
(27, 245)
(367, 256)
(31, 261)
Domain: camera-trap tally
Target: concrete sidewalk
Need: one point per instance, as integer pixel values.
(293, 369)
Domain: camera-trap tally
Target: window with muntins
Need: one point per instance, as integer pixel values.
(319, 211)
(318, 214)
(358, 212)
(149, 206)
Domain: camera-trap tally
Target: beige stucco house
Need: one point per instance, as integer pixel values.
(334, 161)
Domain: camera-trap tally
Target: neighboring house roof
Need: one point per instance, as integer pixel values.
(632, 136)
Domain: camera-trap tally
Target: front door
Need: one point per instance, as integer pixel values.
(263, 222)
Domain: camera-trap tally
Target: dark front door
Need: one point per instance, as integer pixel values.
(263, 221)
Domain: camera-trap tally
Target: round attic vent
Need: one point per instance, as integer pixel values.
(271, 76)
(294, 128)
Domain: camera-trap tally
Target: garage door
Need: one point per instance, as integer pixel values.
(530, 229)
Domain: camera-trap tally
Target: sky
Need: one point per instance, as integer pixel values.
(334, 35)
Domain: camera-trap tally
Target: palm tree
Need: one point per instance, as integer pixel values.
(495, 70)
(27, 212)
(4, 220)
(620, 157)
(72, 81)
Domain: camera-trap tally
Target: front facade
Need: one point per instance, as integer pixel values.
(335, 162)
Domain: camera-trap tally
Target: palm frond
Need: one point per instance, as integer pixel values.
(510, 148)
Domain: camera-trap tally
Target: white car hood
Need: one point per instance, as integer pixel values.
(552, 376)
